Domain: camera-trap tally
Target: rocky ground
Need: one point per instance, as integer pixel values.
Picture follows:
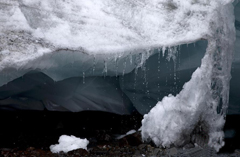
(28, 134)
(105, 145)
(130, 145)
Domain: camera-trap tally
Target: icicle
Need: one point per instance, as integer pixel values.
(130, 58)
(83, 77)
(163, 50)
(94, 64)
(143, 57)
(149, 52)
(105, 68)
(159, 62)
(116, 65)
(135, 83)
(124, 66)
(172, 53)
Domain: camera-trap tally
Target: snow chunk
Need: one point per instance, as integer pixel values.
(69, 143)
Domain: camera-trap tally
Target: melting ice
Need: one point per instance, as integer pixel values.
(83, 39)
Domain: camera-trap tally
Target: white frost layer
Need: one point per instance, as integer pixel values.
(174, 118)
(31, 31)
(106, 26)
(69, 143)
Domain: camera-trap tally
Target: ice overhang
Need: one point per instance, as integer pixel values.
(34, 33)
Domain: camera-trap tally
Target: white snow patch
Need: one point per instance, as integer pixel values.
(69, 143)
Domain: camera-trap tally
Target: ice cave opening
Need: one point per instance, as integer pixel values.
(168, 60)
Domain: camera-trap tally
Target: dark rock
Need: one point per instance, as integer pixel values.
(79, 152)
(142, 146)
(189, 145)
(150, 148)
(30, 152)
(156, 152)
(132, 139)
(137, 153)
(103, 135)
(237, 151)
(123, 142)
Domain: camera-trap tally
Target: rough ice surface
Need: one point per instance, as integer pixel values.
(75, 38)
(41, 34)
(69, 143)
(175, 117)
(160, 77)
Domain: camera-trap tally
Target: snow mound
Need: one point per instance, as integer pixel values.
(69, 143)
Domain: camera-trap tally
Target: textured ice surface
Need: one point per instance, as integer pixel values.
(112, 37)
(125, 24)
(174, 118)
(41, 34)
(69, 143)
(36, 91)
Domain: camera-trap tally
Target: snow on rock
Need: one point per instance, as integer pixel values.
(69, 143)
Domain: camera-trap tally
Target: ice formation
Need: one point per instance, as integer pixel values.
(36, 91)
(75, 42)
(66, 38)
(174, 118)
(69, 143)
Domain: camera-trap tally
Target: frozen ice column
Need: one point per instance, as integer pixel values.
(204, 99)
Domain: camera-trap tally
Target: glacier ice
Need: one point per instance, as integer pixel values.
(234, 99)
(161, 76)
(83, 44)
(36, 91)
(174, 117)
(33, 31)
